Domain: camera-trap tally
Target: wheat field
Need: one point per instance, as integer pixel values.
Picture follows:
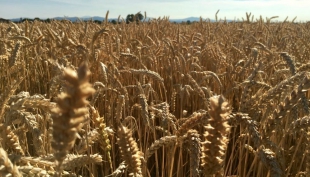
(155, 99)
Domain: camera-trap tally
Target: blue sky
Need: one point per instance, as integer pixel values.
(231, 9)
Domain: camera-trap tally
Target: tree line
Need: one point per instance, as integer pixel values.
(129, 19)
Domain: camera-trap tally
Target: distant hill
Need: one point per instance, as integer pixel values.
(15, 19)
(192, 19)
(74, 19)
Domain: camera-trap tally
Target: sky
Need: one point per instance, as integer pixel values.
(175, 9)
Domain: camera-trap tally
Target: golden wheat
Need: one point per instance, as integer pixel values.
(147, 98)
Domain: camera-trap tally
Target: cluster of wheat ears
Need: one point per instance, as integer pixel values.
(155, 99)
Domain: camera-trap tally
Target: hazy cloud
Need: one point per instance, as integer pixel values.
(174, 8)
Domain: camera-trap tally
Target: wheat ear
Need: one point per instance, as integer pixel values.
(68, 116)
(214, 146)
(167, 140)
(195, 153)
(9, 169)
(129, 151)
(269, 159)
(74, 161)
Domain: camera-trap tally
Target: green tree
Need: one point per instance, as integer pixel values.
(37, 19)
(129, 18)
(114, 22)
(27, 19)
(97, 21)
(137, 17)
